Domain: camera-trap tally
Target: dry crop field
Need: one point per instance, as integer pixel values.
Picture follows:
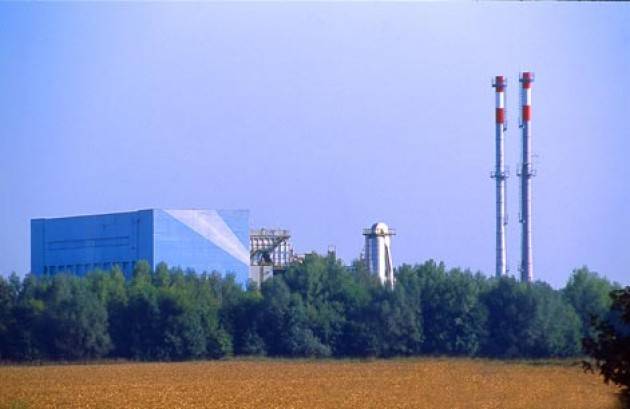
(407, 383)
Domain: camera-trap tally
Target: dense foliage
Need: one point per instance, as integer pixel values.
(317, 308)
(609, 346)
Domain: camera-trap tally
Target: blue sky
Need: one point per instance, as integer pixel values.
(322, 118)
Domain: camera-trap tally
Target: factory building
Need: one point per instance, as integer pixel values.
(378, 252)
(203, 240)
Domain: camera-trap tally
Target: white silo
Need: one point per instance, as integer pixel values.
(378, 252)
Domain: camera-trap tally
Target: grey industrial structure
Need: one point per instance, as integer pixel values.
(271, 252)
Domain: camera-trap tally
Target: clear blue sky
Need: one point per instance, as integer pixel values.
(322, 118)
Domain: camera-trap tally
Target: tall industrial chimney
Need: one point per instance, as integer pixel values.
(500, 175)
(526, 172)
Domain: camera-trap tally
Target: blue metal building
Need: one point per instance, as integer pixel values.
(203, 240)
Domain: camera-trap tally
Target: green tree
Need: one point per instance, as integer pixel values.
(27, 323)
(76, 320)
(110, 289)
(318, 307)
(529, 320)
(328, 290)
(556, 328)
(162, 275)
(179, 327)
(140, 330)
(300, 340)
(287, 331)
(7, 305)
(218, 341)
(454, 317)
(588, 293)
(397, 325)
(246, 318)
(511, 310)
(610, 347)
(274, 313)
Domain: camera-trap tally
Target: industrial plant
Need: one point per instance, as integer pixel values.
(222, 241)
(197, 239)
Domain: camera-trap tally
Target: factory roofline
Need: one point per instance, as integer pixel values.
(135, 211)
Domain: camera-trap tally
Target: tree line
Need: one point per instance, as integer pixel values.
(317, 308)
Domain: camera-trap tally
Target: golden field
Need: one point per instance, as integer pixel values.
(405, 383)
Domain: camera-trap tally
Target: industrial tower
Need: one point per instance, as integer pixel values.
(378, 253)
(526, 172)
(500, 174)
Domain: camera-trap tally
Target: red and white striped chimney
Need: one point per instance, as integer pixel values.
(526, 172)
(500, 175)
